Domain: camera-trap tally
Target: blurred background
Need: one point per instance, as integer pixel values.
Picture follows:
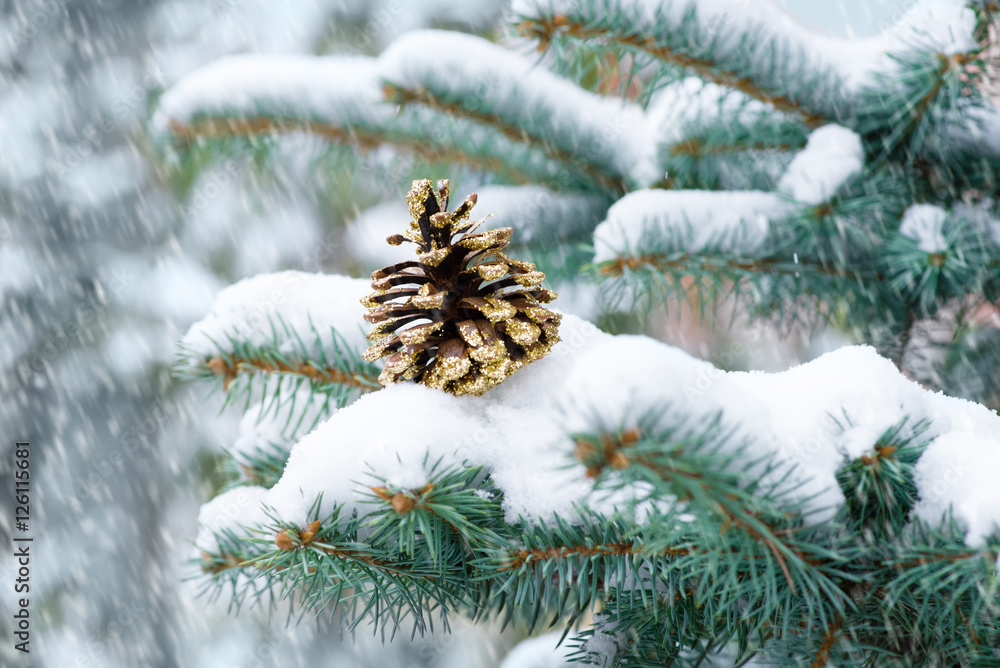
(108, 254)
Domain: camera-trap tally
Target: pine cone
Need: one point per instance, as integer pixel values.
(460, 329)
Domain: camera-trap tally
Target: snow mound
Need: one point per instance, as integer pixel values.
(540, 652)
(810, 417)
(237, 510)
(301, 87)
(302, 301)
(923, 223)
(692, 218)
(833, 154)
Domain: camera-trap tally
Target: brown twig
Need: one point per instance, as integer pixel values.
(696, 147)
(229, 368)
(763, 266)
(209, 128)
(828, 639)
(522, 557)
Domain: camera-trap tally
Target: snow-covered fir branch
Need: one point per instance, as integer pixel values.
(521, 463)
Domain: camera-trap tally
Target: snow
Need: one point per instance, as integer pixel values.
(692, 101)
(302, 300)
(131, 349)
(113, 174)
(302, 87)
(347, 90)
(608, 131)
(188, 33)
(27, 110)
(366, 234)
(539, 652)
(793, 414)
(833, 154)
(401, 430)
(22, 269)
(809, 417)
(923, 223)
(944, 26)
(607, 643)
(536, 212)
(227, 208)
(693, 219)
(234, 510)
(173, 287)
(975, 130)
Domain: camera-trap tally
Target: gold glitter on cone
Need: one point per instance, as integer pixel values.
(463, 316)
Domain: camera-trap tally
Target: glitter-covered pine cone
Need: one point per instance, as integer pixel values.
(463, 316)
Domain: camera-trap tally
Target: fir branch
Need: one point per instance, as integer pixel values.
(214, 564)
(545, 29)
(913, 102)
(331, 366)
(686, 480)
(700, 469)
(362, 138)
(739, 149)
(602, 178)
(919, 110)
(262, 468)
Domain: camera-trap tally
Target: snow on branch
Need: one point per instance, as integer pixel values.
(712, 137)
(336, 90)
(810, 420)
(742, 45)
(833, 155)
(688, 220)
(270, 428)
(743, 48)
(339, 99)
(470, 77)
(476, 103)
(291, 322)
